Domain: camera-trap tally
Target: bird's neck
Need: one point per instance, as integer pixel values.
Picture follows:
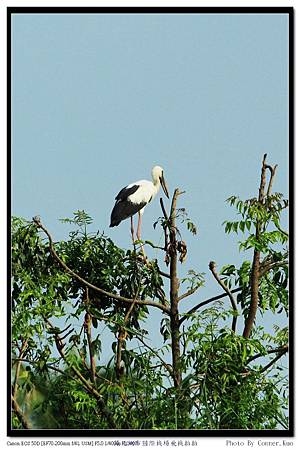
(156, 185)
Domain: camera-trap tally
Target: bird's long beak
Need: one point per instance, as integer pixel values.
(164, 186)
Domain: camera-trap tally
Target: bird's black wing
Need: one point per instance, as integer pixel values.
(126, 191)
(124, 209)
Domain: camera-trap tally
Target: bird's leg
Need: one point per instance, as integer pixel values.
(138, 234)
(132, 229)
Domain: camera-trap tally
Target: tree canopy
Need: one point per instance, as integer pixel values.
(205, 375)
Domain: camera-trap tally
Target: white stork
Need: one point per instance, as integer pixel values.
(133, 198)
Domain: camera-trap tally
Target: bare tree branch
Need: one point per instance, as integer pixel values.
(67, 334)
(265, 368)
(272, 170)
(282, 350)
(174, 286)
(206, 302)
(163, 209)
(257, 272)
(188, 293)
(165, 227)
(254, 281)
(153, 245)
(164, 274)
(212, 268)
(91, 286)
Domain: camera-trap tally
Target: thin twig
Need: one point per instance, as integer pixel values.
(272, 170)
(188, 293)
(67, 334)
(153, 245)
(206, 302)
(90, 285)
(212, 268)
(166, 224)
(65, 329)
(164, 209)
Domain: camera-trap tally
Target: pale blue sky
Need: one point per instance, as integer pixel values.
(98, 100)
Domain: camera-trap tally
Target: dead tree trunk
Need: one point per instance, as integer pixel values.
(174, 286)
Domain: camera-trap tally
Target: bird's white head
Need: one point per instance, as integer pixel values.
(158, 178)
(157, 172)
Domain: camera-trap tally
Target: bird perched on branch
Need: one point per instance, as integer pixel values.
(133, 198)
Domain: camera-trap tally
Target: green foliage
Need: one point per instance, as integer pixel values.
(194, 279)
(271, 242)
(232, 394)
(182, 215)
